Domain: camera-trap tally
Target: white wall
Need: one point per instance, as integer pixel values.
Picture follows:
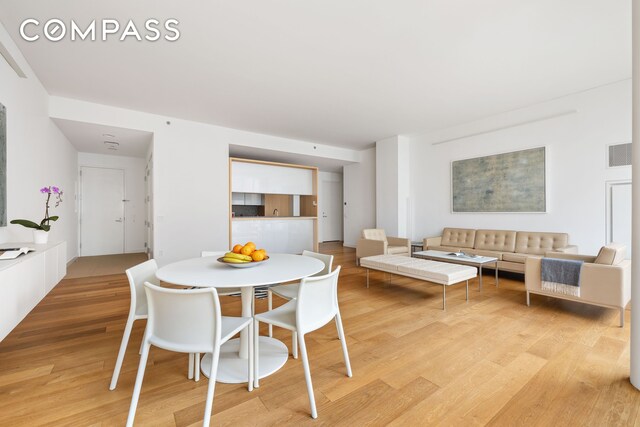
(576, 169)
(324, 177)
(190, 172)
(38, 155)
(134, 213)
(359, 196)
(393, 184)
(387, 185)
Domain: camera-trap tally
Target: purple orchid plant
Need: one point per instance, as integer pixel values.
(44, 224)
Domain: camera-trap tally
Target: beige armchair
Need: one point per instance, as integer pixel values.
(374, 241)
(605, 279)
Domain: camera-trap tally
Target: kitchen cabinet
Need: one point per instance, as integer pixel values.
(251, 199)
(265, 178)
(286, 219)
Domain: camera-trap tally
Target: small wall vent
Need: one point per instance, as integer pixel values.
(619, 155)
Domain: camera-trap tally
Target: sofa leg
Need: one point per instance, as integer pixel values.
(622, 317)
(528, 299)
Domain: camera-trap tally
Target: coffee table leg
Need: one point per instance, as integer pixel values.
(480, 281)
(444, 297)
(367, 278)
(497, 274)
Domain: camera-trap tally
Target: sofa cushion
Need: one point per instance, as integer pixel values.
(440, 272)
(374, 234)
(537, 243)
(397, 250)
(521, 258)
(386, 262)
(495, 240)
(611, 254)
(458, 237)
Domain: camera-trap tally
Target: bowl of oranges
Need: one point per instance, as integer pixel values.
(244, 256)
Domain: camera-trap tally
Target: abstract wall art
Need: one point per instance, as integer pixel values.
(508, 182)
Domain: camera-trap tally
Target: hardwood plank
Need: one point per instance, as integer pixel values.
(489, 360)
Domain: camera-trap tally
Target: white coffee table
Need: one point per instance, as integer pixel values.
(208, 272)
(473, 260)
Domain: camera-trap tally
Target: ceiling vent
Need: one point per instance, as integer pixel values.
(619, 155)
(111, 145)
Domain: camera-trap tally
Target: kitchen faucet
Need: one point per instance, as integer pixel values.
(275, 212)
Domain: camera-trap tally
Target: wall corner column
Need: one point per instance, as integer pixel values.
(635, 263)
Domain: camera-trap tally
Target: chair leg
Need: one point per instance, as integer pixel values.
(344, 344)
(144, 338)
(208, 407)
(339, 331)
(196, 371)
(270, 307)
(528, 299)
(138, 385)
(191, 362)
(251, 355)
(121, 352)
(294, 344)
(307, 376)
(256, 350)
(622, 317)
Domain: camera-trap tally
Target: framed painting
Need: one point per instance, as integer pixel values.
(512, 182)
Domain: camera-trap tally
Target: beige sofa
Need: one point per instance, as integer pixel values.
(605, 279)
(374, 241)
(512, 248)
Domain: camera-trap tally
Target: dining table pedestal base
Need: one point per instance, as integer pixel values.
(233, 370)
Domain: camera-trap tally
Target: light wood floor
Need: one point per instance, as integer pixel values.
(491, 360)
(102, 265)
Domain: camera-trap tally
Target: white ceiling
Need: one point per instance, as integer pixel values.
(90, 138)
(340, 72)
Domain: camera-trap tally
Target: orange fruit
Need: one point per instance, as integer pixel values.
(257, 255)
(236, 249)
(246, 250)
(251, 244)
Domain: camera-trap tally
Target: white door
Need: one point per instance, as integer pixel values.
(331, 211)
(619, 210)
(102, 211)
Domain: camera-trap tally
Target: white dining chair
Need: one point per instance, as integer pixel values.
(137, 275)
(173, 313)
(290, 292)
(315, 305)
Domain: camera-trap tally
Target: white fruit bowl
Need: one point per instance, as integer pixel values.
(243, 264)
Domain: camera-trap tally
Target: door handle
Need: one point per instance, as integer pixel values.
(119, 220)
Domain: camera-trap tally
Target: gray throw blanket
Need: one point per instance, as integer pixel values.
(561, 276)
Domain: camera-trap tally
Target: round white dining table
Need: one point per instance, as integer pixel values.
(208, 272)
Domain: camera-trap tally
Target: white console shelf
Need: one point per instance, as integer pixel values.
(26, 280)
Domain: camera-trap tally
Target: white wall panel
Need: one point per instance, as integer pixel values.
(276, 236)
